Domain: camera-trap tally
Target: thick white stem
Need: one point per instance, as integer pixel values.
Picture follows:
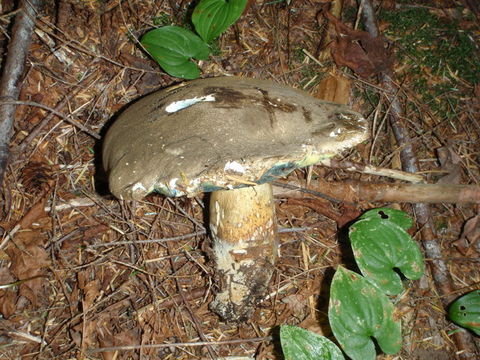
(243, 226)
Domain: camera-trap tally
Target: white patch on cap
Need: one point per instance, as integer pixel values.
(182, 104)
(234, 166)
(335, 132)
(174, 151)
(138, 186)
(172, 183)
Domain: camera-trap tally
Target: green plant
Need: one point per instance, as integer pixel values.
(465, 311)
(173, 47)
(212, 17)
(381, 245)
(358, 312)
(300, 344)
(359, 308)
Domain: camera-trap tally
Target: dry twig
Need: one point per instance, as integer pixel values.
(12, 71)
(198, 343)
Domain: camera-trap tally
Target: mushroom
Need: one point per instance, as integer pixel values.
(230, 136)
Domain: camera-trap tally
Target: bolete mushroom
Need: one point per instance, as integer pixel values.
(230, 136)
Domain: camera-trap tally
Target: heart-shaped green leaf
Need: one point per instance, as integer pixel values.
(212, 17)
(465, 311)
(300, 344)
(398, 217)
(359, 311)
(380, 246)
(173, 48)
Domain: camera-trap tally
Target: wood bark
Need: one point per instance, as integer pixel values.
(357, 191)
(12, 72)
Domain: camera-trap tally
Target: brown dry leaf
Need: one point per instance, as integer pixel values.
(90, 293)
(359, 51)
(470, 236)
(28, 260)
(295, 302)
(124, 338)
(84, 333)
(313, 325)
(334, 88)
(8, 297)
(35, 213)
(93, 231)
(451, 163)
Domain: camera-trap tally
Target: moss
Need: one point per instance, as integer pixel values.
(162, 20)
(438, 55)
(215, 48)
(430, 41)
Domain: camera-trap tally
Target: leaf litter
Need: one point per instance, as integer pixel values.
(87, 297)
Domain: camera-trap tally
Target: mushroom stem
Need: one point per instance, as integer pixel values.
(244, 232)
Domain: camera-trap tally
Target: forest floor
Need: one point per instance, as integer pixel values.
(89, 284)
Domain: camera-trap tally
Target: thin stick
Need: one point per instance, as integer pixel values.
(373, 170)
(59, 114)
(186, 344)
(12, 71)
(184, 237)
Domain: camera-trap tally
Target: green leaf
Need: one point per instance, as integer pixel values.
(212, 17)
(359, 311)
(465, 311)
(300, 344)
(173, 48)
(380, 246)
(398, 217)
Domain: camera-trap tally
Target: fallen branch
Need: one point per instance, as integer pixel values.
(12, 71)
(373, 170)
(441, 276)
(357, 191)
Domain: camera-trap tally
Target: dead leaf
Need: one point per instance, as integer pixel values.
(313, 325)
(124, 338)
(295, 302)
(36, 212)
(28, 260)
(470, 236)
(84, 332)
(8, 297)
(451, 163)
(90, 293)
(359, 51)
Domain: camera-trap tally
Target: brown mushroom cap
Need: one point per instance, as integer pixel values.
(226, 132)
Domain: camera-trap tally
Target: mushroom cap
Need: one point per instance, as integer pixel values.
(222, 133)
